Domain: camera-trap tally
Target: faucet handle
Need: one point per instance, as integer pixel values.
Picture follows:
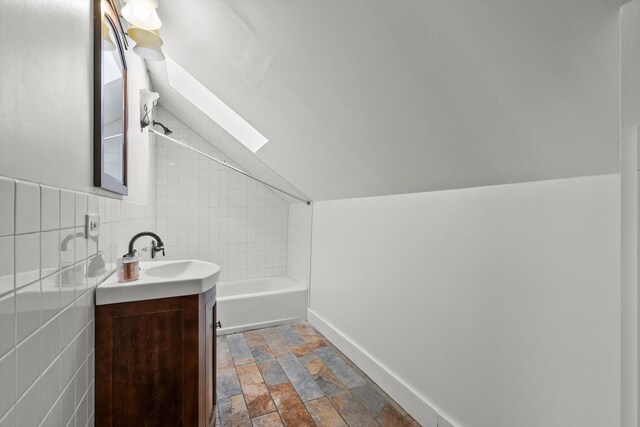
(156, 248)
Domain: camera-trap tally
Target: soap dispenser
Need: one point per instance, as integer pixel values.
(128, 268)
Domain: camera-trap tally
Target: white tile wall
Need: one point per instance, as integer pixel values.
(47, 298)
(299, 243)
(50, 212)
(208, 212)
(204, 126)
(7, 192)
(6, 263)
(27, 207)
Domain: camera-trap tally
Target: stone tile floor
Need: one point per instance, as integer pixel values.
(292, 376)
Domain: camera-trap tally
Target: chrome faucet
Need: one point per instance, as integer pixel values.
(156, 245)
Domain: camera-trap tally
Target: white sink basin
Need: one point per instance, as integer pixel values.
(170, 270)
(160, 279)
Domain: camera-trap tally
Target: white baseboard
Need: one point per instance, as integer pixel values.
(415, 404)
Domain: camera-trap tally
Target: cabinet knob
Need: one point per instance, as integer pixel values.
(218, 324)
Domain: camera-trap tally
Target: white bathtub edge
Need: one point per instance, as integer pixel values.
(259, 294)
(248, 327)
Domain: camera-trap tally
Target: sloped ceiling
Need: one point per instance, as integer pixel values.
(363, 98)
(200, 123)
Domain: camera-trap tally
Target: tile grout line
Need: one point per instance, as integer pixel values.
(303, 367)
(128, 213)
(237, 376)
(325, 395)
(268, 391)
(289, 381)
(15, 304)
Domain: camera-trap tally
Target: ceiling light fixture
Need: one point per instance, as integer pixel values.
(142, 13)
(150, 53)
(147, 38)
(145, 22)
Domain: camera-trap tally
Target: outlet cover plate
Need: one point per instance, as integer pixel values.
(92, 225)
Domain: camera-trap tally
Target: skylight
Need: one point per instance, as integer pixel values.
(196, 93)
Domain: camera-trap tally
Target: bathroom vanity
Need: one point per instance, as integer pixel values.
(155, 346)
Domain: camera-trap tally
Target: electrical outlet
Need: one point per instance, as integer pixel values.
(92, 225)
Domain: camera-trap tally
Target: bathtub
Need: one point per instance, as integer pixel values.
(257, 303)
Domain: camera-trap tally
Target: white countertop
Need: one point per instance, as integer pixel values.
(160, 279)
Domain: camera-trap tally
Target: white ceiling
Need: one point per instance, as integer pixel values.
(362, 98)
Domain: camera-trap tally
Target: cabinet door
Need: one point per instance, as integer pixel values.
(210, 368)
(150, 363)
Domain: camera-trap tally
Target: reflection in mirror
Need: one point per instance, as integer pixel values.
(112, 105)
(110, 99)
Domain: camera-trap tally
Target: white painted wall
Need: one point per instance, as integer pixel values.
(497, 306)
(46, 98)
(630, 53)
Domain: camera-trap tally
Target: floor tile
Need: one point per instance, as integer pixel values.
(233, 412)
(383, 409)
(312, 363)
(304, 329)
(272, 372)
(343, 371)
(239, 349)
(276, 343)
(268, 420)
(324, 414)
(370, 399)
(261, 353)
(348, 362)
(255, 339)
(255, 391)
(227, 383)
(290, 336)
(300, 350)
(305, 386)
(351, 410)
(309, 335)
(322, 375)
(223, 355)
(290, 407)
(293, 376)
(391, 417)
(314, 341)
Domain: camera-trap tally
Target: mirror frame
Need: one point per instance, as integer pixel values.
(105, 9)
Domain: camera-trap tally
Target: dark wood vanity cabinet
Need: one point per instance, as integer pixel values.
(155, 362)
